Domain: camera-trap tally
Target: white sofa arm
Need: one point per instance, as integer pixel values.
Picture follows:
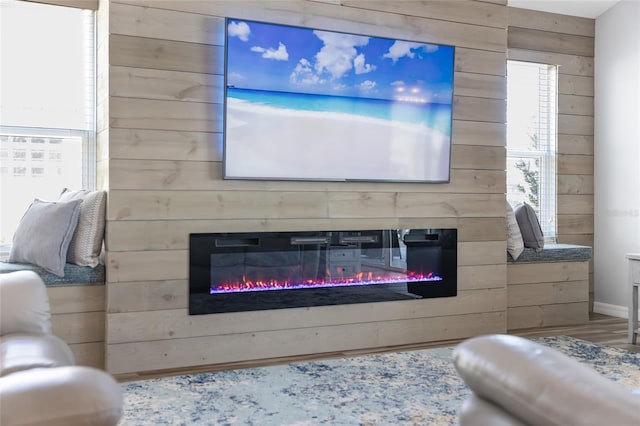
(24, 304)
(60, 396)
(541, 386)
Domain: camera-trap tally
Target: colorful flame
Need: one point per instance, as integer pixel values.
(359, 279)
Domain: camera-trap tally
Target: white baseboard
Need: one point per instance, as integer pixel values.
(612, 310)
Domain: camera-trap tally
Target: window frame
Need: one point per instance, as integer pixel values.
(546, 154)
(87, 133)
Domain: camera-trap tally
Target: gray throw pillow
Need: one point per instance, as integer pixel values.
(44, 233)
(529, 226)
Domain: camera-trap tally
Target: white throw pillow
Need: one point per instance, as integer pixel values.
(86, 243)
(515, 244)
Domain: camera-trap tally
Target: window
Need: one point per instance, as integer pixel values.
(48, 105)
(531, 139)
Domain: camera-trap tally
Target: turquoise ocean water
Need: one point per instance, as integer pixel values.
(434, 116)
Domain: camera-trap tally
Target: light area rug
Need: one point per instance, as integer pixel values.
(401, 388)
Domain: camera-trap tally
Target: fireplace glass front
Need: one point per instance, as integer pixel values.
(233, 272)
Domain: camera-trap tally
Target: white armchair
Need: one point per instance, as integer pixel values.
(39, 383)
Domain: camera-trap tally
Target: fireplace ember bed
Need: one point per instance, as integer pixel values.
(235, 272)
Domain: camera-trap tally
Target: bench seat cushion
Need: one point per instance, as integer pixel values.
(554, 253)
(73, 274)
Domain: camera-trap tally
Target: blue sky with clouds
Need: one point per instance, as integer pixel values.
(290, 59)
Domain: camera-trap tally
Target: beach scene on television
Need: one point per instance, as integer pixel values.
(320, 105)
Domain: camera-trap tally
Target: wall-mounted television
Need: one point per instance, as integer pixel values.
(309, 104)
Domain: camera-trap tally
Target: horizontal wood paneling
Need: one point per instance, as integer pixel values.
(148, 296)
(153, 22)
(551, 22)
(577, 105)
(575, 144)
(575, 125)
(480, 61)
(477, 157)
(171, 353)
(576, 224)
(547, 315)
(480, 85)
(167, 324)
(161, 205)
(359, 21)
(165, 115)
(575, 204)
(526, 273)
(575, 164)
(129, 82)
(479, 109)
(548, 293)
(575, 184)
(574, 84)
(165, 55)
(196, 175)
(478, 133)
(164, 173)
(89, 354)
(545, 41)
(407, 204)
(76, 298)
(470, 12)
(80, 327)
(141, 144)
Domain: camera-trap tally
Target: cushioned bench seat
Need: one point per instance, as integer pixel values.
(554, 253)
(73, 274)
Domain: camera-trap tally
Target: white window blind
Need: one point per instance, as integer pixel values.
(532, 139)
(47, 105)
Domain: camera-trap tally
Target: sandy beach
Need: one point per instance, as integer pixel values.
(276, 143)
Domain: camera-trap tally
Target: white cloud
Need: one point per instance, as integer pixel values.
(401, 48)
(240, 30)
(361, 66)
(303, 74)
(280, 54)
(367, 85)
(338, 53)
(397, 83)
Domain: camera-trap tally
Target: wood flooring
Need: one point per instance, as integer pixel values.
(601, 329)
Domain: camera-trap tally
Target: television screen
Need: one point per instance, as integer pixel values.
(308, 104)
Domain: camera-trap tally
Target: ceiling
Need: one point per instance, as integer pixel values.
(583, 8)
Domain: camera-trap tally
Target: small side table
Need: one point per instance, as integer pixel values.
(634, 279)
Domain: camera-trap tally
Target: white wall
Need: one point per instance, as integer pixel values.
(617, 153)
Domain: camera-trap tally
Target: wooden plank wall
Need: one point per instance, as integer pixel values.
(547, 294)
(566, 41)
(161, 146)
(78, 318)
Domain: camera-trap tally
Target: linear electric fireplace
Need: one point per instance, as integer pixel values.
(233, 272)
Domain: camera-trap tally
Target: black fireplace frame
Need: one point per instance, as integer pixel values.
(440, 245)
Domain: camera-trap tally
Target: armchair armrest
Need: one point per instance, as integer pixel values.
(24, 304)
(60, 396)
(539, 385)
